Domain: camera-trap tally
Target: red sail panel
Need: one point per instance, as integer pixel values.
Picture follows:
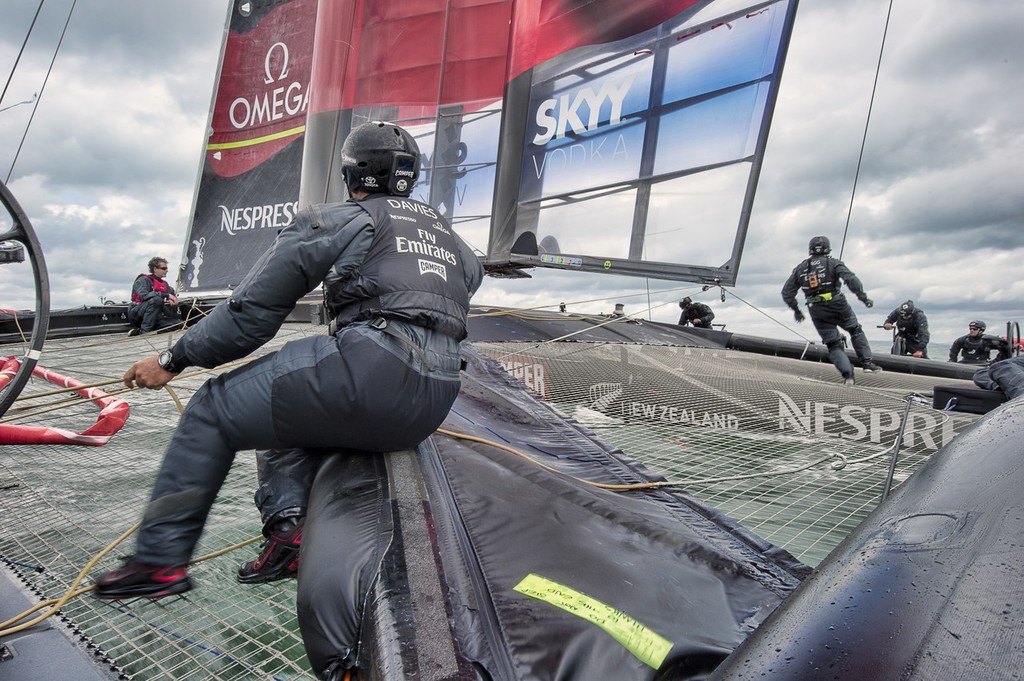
(438, 52)
(420, 53)
(547, 28)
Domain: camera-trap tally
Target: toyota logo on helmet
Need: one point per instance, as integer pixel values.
(380, 157)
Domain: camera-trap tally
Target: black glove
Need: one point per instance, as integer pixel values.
(867, 302)
(798, 316)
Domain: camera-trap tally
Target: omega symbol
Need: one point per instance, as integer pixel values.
(268, 65)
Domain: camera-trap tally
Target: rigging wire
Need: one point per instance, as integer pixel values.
(757, 309)
(867, 122)
(39, 97)
(21, 51)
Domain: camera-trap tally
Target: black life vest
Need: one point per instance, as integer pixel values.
(817, 276)
(412, 272)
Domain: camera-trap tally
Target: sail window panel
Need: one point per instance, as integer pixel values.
(711, 132)
(685, 216)
(606, 87)
(724, 56)
(602, 224)
(474, 231)
(463, 164)
(585, 128)
(580, 163)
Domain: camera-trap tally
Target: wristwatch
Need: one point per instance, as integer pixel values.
(166, 361)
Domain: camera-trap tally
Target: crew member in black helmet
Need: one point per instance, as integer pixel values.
(397, 282)
(912, 326)
(977, 346)
(698, 314)
(821, 278)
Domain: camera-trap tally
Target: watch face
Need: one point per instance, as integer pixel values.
(164, 359)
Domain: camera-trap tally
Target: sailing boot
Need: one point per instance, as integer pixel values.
(138, 580)
(870, 367)
(279, 558)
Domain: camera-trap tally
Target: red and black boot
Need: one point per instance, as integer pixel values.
(279, 558)
(138, 580)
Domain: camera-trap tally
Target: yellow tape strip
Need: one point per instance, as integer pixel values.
(646, 645)
(256, 140)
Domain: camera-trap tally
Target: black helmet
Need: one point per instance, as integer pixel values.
(978, 323)
(685, 302)
(819, 245)
(379, 157)
(907, 309)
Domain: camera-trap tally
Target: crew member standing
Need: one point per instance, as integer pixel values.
(821, 278)
(397, 282)
(912, 327)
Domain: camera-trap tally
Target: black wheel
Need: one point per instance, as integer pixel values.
(899, 345)
(19, 231)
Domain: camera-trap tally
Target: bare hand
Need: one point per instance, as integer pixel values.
(887, 326)
(918, 354)
(172, 299)
(147, 373)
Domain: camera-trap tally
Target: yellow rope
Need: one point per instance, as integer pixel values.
(74, 401)
(73, 591)
(498, 445)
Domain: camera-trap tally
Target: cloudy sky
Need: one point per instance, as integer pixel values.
(107, 169)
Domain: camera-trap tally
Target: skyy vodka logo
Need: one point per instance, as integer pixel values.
(556, 117)
(581, 112)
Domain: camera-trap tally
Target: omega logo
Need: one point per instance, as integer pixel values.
(267, 63)
(285, 100)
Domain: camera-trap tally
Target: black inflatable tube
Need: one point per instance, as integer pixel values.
(818, 352)
(930, 585)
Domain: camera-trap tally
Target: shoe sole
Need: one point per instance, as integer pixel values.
(258, 578)
(263, 576)
(146, 591)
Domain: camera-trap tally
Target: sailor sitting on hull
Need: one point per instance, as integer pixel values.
(384, 381)
(154, 303)
(976, 346)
